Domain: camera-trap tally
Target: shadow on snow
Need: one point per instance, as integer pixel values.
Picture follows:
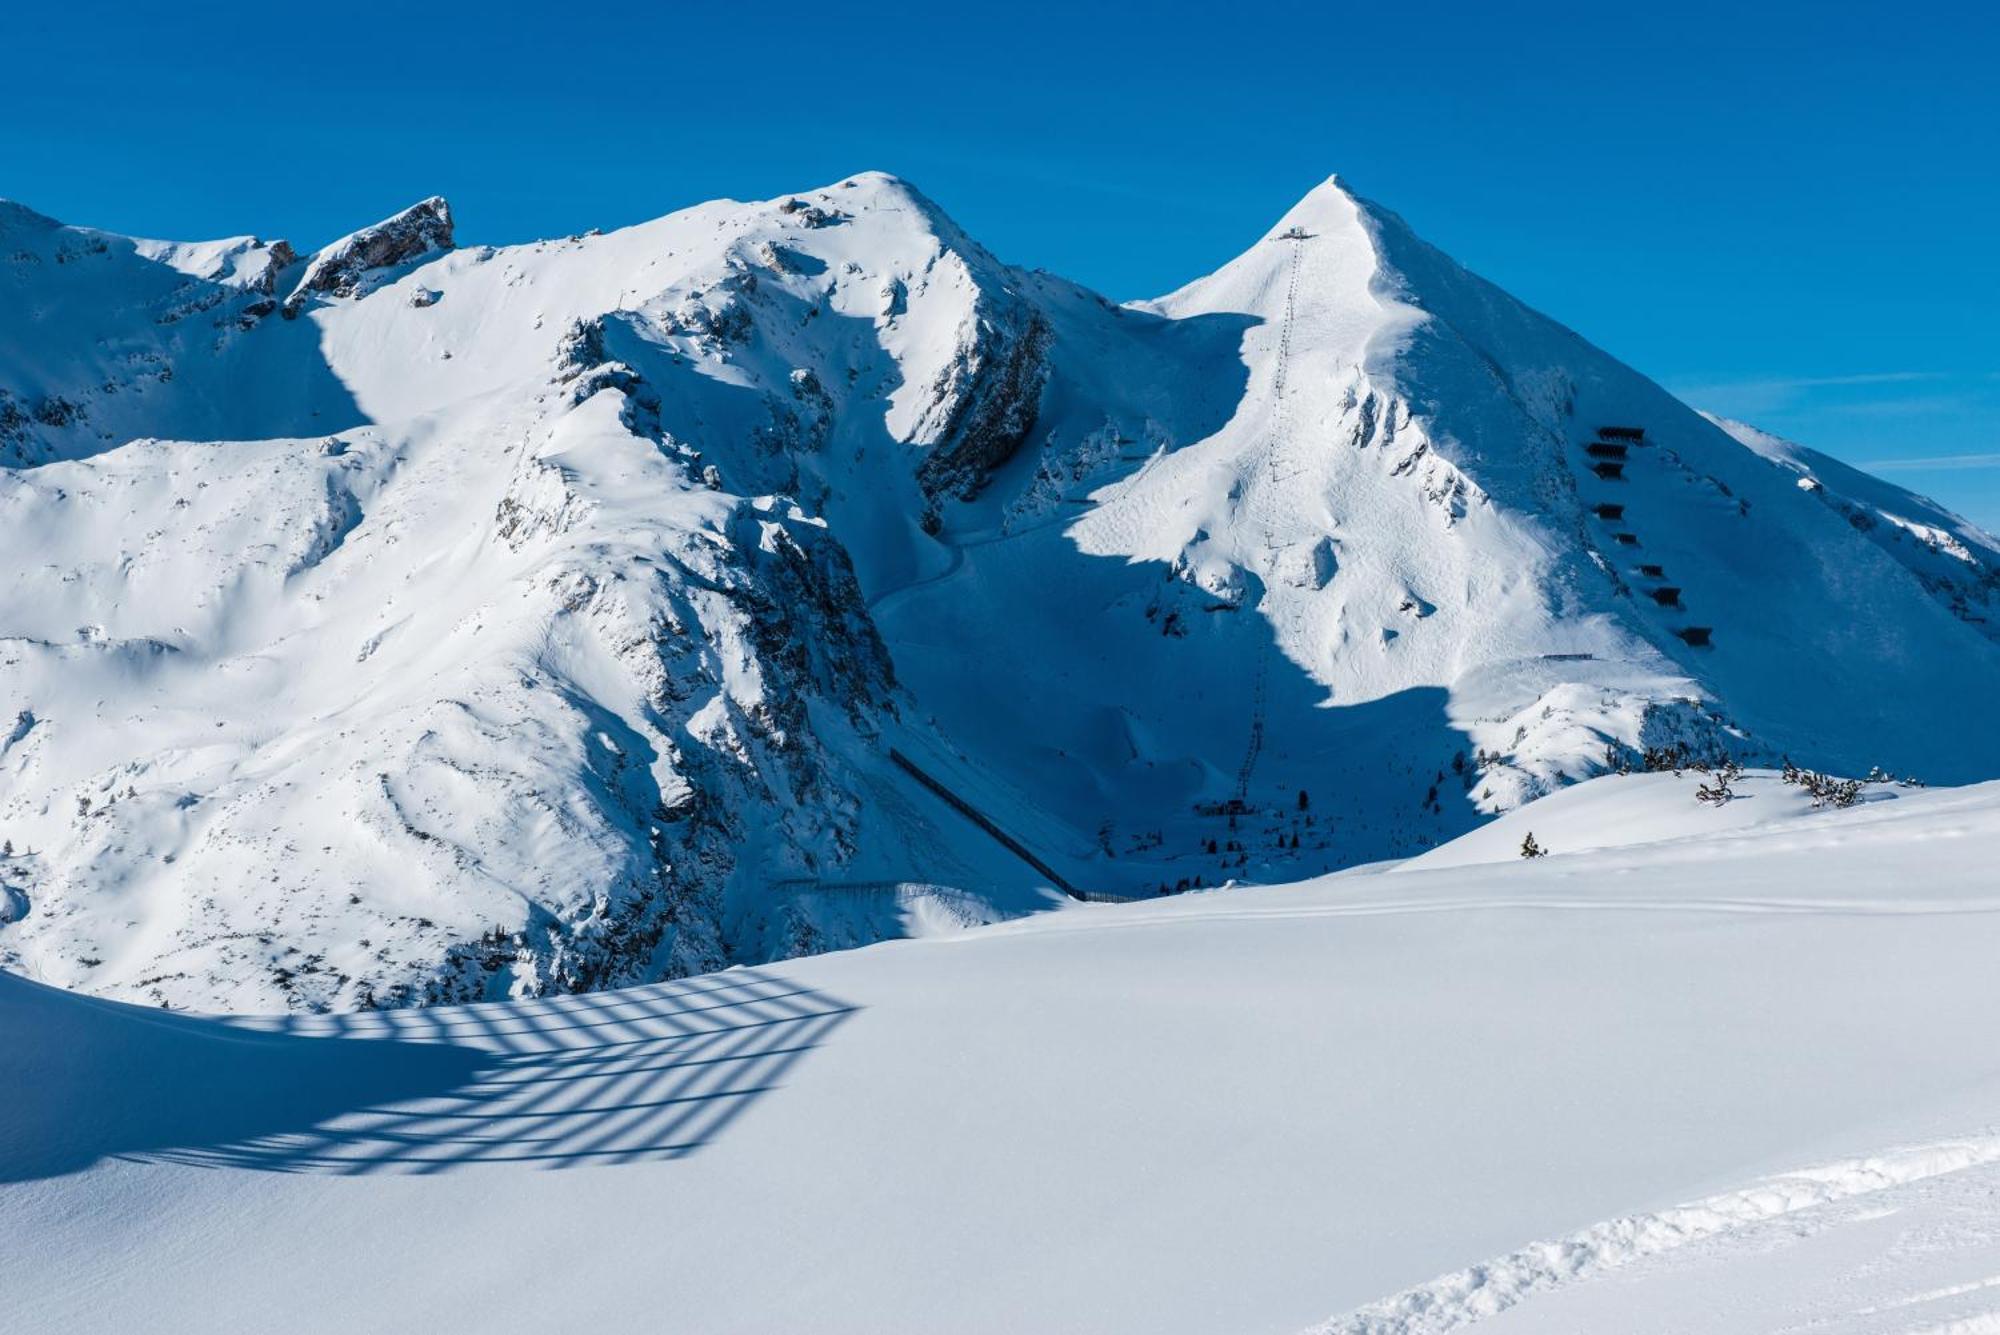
(638, 1075)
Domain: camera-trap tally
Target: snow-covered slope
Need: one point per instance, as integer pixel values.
(1736, 1083)
(1955, 559)
(418, 620)
(1624, 810)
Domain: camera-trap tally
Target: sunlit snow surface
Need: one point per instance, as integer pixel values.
(1736, 1073)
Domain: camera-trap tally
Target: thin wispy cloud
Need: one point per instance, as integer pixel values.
(1776, 390)
(1893, 407)
(1869, 378)
(1936, 461)
(1918, 405)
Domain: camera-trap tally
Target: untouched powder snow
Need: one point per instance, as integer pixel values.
(1750, 1090)
(520, 620)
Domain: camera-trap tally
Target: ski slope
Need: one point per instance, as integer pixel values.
(1731, 1074)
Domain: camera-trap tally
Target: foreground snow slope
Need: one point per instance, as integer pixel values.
(1228, 1112)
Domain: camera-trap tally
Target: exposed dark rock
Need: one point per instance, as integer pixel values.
(609, 375)
(56, 410)
(810, 618)
(279, 257)
(581, 347)
(339, 269)
(716, 326)
(256, 311)
(986, 401)
(810, 215)
(13, 422)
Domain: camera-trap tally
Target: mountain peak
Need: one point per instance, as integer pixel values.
(1331, 199)
(1326, 250)
(1331, 206)
(879, 191)
(881, 182)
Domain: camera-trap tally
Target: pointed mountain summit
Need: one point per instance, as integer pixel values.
(1462, 450)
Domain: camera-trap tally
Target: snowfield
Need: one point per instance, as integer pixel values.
(1734, 1072)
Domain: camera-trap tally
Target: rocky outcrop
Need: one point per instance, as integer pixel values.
(278, 257)
(985, 401)
(257, 268)
(340, 269)
(811, 215)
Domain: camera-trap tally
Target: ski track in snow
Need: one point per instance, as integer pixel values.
(1465, 1297)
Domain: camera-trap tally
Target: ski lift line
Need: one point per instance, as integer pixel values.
(1255, 746)
(1281, 418)
(1295, 236)
(1280, 430)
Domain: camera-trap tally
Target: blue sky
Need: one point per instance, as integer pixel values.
(1785, 212)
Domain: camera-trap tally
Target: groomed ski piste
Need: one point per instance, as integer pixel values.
(1722, 1069)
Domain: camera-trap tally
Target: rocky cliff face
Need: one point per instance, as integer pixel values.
(341, 268)
(985, 401)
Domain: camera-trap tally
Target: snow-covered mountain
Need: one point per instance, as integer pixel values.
(412, 621)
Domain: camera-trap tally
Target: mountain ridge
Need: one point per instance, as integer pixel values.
(545, 617)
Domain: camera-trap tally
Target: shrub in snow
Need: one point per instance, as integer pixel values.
(1824, 789)
(1531, 849)
(1718, 790)
(1661, 759)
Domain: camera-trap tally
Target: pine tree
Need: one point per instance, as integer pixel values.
(1531, 849)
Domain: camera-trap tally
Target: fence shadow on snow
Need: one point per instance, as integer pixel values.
(637, 1075)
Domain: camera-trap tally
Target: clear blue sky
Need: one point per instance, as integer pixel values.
(1784, 211)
